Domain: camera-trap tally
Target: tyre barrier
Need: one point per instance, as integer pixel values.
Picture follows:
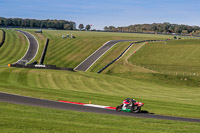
(37, 66)
(3, 38)
(44, 52)
(102, 69)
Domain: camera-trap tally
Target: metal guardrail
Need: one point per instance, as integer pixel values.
(37, 66)
(44, 52)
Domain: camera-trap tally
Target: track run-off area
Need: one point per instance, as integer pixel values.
(16, 99)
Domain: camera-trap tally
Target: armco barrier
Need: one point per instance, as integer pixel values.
(36, 66)
(101, 70)
(3, 38)
(44, 52)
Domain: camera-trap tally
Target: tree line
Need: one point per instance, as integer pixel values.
(33, 23)
(156, 28)
(87, 27)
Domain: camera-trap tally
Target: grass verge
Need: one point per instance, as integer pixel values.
(18, 118)
(14, 48)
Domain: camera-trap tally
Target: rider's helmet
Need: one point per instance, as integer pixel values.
(126, 101)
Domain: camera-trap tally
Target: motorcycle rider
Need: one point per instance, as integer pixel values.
(129, 103)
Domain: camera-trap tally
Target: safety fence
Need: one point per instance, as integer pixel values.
(101, 70)
(44, 52)
(3, 38)
(36, 66)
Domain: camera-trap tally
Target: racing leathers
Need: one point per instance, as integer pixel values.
(128, 103)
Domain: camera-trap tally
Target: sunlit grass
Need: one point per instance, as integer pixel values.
(14, 47)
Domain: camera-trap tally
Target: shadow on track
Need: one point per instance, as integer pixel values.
(145, 112)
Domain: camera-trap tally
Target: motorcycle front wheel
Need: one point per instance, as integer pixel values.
(137, 110)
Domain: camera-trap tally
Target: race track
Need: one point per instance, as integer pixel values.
(88, 62)
(32, 49)
(16, 99)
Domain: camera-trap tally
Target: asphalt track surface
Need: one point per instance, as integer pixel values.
(32, 49)
(88, 62)
(16, 99)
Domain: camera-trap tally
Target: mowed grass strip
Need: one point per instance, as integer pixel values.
(66, 52)
(141, 65)
(178, 56)
(18, 118)
(14, 48)
(100, 89)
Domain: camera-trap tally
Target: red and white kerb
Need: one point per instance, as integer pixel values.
(89, 105)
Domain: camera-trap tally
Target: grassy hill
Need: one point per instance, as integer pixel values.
(70, 52)
(181, 56)
(143, 75)
(14, 48)
(100, 89)
(171, 63)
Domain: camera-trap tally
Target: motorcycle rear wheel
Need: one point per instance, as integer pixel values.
(119, 108)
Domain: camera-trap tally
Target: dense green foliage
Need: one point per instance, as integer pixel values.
(81, 26)
(155, 27)
(14, 47)
(26, 119)
(87, 27)
(33, 23)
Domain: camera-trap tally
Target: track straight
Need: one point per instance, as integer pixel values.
(16, 99)
(32, 49)
(88, 62)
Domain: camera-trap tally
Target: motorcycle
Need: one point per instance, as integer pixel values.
(134, 108)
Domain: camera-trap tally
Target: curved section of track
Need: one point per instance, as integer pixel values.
(88, 62)
(32, 49)
(16, 99)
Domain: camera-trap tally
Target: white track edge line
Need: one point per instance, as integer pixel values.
(100, 56)
(97, 106)
(92, 54)
(130, 47)
(37, 46)
(27, 48)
